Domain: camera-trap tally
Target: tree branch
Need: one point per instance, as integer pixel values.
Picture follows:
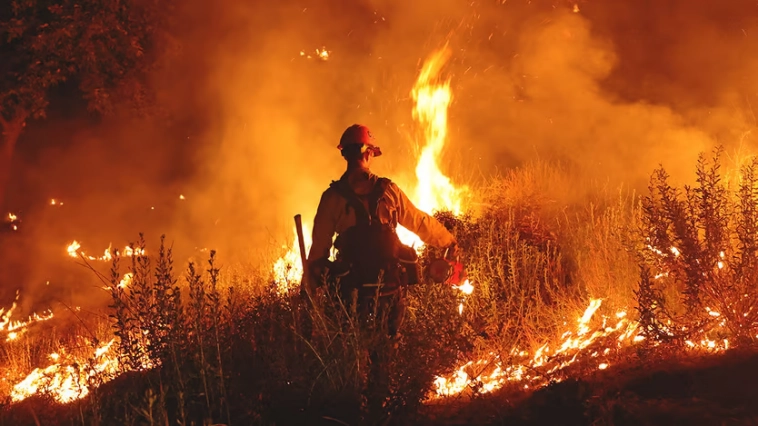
(14, 123)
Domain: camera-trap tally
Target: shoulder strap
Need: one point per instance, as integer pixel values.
(361, 215)
(379, 189)
(342, 188)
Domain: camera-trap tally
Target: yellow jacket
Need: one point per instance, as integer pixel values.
(333, 215)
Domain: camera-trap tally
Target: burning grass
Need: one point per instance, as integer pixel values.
(553, 298)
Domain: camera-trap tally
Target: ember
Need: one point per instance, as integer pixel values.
(12, 220)
(321, 54)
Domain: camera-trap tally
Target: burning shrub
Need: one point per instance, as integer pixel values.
(520, 274)
(519, 279)
(542, 266)
(699, 263)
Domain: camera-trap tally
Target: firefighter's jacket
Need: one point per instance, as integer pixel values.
(334, 215)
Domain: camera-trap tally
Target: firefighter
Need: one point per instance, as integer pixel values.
(372, 266)
(364, 209)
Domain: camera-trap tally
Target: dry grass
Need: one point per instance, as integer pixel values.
(225, 347)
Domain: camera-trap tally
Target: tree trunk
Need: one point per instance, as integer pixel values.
(11, 130)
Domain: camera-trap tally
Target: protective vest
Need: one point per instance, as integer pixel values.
(372, 248)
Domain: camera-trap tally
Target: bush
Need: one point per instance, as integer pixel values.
(698, 265)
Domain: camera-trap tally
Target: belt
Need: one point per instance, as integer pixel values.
(379, 287)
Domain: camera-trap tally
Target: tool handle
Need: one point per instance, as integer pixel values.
(303, 255)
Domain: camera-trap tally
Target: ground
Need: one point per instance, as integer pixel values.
(715, 390)
(708, 390)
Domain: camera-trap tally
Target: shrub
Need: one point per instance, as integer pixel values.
(698, 265)
(515, 260)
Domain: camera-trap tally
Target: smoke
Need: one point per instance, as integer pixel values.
(611, 91)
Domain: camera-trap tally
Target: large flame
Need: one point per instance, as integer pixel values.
(434, 191)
